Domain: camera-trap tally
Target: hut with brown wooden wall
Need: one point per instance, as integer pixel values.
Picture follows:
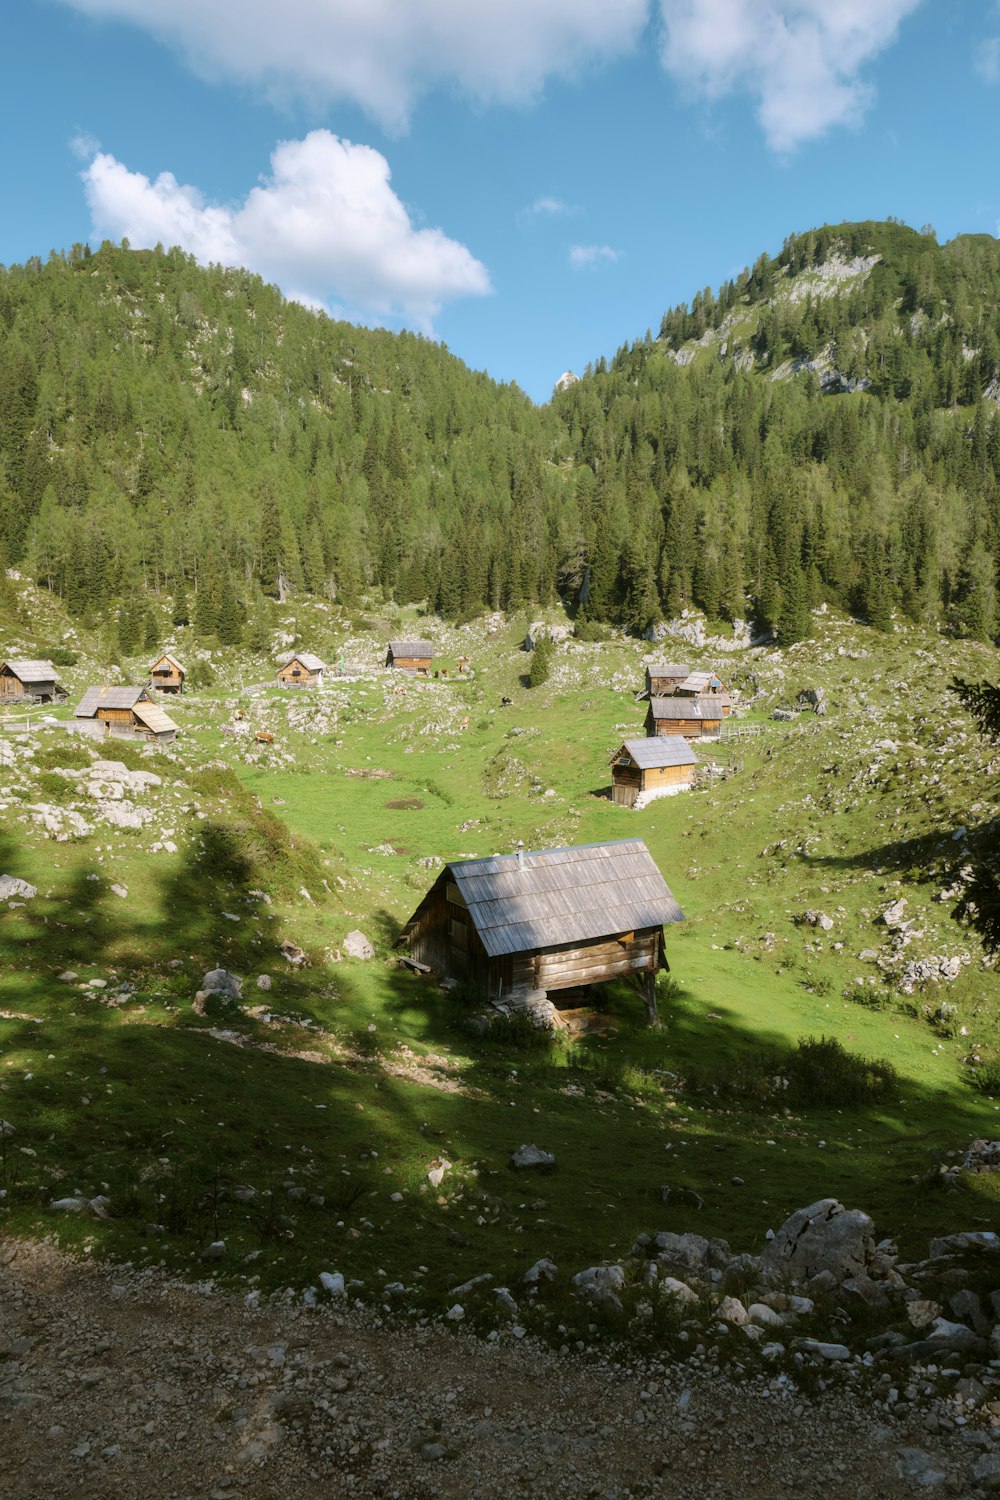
(520, 926)
(411, 656)
(125, 712)
(30, 682)
(302, 671)
(166, 675)
(693, 718)
(662, 677)
(659, 765)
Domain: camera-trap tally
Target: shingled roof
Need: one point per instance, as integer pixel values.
(662, 750)
(108, 697)
(305, 659)
(411, 648)
(687, 708)
(166, 656)
(547, 897)
(154, 718)
(697, 682)
(31, 671)
(667, 669)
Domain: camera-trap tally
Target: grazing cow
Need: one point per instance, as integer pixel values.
(506, 702)
(263, 737)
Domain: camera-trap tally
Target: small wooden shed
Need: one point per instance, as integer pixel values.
(126, 712)
(660, 764)
(516, 926)
(694, 718)
(302, 671)
(167, 675)
(30, 682)
(411, 656)
(662, 677)
(701, 685)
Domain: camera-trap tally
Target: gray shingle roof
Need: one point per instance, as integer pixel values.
(664, 750)
(108, 697)
(697, 682)
(154, 718)
(687, 708)
(411, 648)
(32, 671)
(166, 656)
(563, 895)
(667, 669)
(305, 659)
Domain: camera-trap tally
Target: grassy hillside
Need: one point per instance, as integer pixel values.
(300, 1126)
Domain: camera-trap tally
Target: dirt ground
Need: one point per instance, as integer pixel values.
(119, 1383)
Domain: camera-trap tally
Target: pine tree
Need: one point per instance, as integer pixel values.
(541, 662)
(795, 622)
(151, 635)
(181, 613)
(229, 618)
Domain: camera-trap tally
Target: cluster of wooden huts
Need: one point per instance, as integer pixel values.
(683, 706)
(123, 712)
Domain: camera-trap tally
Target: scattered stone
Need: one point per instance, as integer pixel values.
(11, 887)
(356, 945)
(333, 1283)
(528, 1156)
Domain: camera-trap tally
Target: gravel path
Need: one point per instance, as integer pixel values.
(118, 1383)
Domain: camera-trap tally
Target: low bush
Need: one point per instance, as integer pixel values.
(70, 755)
(819, 1073)
(62, 656)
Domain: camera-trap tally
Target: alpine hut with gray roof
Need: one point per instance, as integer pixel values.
(302, 671)
(125, 712)
(166, 675)
(662, 677)
(651, 767)
(411, 656)
(519, 926)
(24, 681)
(694, 718)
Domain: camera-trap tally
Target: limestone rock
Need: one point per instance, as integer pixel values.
(356, 945)
(11, 887)
(823, 1238)
(532, 1156)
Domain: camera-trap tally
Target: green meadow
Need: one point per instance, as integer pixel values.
(300, 1126)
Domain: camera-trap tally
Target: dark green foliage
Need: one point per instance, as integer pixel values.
(980, 902)
(817, 1074)
(131, 460)
(200, 674)
(62, 656)
(541, 662)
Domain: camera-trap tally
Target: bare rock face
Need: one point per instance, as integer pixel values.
(11, 887)
(220, 986)
(356, 945)
(825, 1238)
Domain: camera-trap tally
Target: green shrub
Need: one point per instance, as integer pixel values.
(55, 788)
(70, 755)
(201, 674)
(61, 656)
(592, 630)
(541, 662)
(817, 1074)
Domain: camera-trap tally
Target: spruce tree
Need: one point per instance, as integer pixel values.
(541, 662)
(181, 613)
(229, 619)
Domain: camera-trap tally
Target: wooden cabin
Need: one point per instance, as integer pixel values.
(520, 925)
(30, 682)
(701, 685)
(664, 764)
(167, 675)
(411, 656)
(662, 677)
(693, 718)
(126, 712)
(302, 671)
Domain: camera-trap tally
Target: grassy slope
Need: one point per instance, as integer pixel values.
(384, 1078)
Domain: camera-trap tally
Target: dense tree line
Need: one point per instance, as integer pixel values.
(170, 428)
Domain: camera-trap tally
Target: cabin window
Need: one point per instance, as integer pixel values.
(459, 936)
(454, 895)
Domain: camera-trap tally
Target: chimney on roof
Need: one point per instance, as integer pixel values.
(519, 851)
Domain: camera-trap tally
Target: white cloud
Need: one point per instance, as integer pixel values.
(84, 145)
(325, 224)
(548, 207)
(801, 59)
(589, 257)
(384, 54)
(988, 60)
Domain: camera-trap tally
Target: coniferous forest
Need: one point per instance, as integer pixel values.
(800, 435)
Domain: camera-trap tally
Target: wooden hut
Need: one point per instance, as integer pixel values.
(517, 926)
(701, 685)
(30, 682)
(694, 718)
(411, 656)
(126, 712)
(664, 764)
(662, 677)
(166, 675)
(302, 671)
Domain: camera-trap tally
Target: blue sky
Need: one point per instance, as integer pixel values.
(532, 181)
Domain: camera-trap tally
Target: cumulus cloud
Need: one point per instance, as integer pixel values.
(801, 59)
(589, 257)
(325, 224)
(384, 54)
(988, 60)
